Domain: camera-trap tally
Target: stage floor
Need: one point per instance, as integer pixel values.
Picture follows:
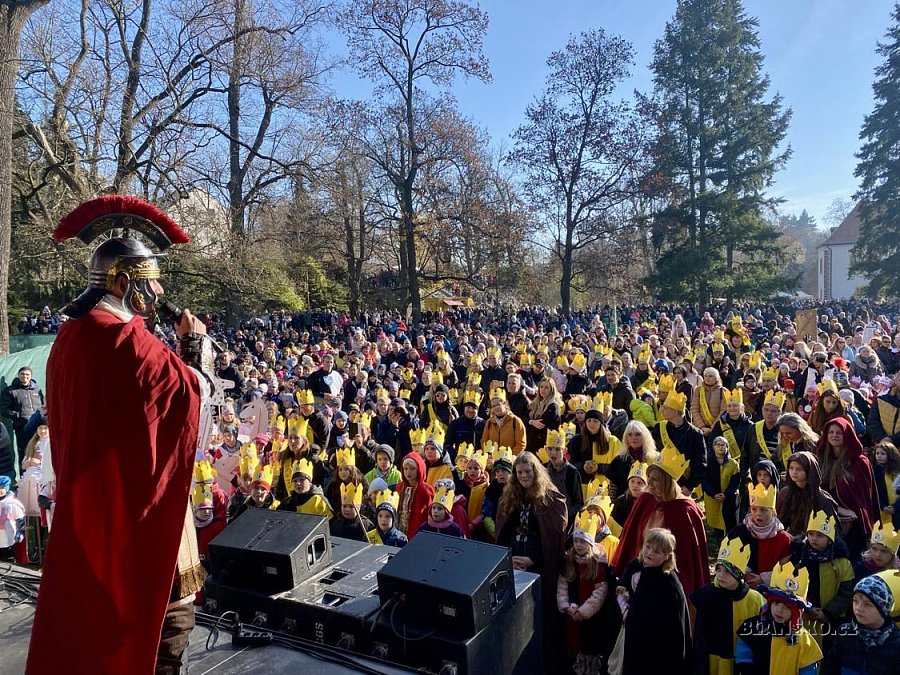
(222, 659)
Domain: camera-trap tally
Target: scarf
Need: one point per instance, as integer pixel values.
(636, 454)
(482, 478)
(447, 522)
(873, 637)
(766, 532)
(811, 555)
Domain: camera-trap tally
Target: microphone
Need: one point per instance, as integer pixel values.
(173, 313)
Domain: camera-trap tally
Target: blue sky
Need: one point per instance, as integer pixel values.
(819, 54)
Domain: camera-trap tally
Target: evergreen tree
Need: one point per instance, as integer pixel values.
(876, 255)
(718, 146)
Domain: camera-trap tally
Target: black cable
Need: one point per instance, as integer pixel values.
(403, 637)
(214, 631)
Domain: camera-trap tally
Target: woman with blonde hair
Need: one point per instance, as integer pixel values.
(637, 446)
(544, 413)
(531, 522)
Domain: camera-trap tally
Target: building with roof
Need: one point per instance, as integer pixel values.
(834, 278)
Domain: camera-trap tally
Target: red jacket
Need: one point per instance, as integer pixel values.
(422, 497)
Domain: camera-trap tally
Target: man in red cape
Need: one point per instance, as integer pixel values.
(123, 415)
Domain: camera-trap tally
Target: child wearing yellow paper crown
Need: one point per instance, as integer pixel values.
(824, 556)
(775, 642)
(881, 555)
(720, 485)
(261, 496)
(387, 502)
(439, 518)
(563, 475)
(206, 523)
(722, 606)
(345, 474)
(502, 470)
(761, 529)
(348, 523)
(608, 529)
(304, 496)
(472, 485)
(581, 592)
(636, 485)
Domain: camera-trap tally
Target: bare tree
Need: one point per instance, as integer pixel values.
(404, 45)
(13, 15)
(577, 149)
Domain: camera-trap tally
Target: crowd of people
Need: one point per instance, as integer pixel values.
(704, 481)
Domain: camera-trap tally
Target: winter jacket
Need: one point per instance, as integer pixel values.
(19, 402)
(510, 433)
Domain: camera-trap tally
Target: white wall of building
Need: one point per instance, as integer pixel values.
(842, 284)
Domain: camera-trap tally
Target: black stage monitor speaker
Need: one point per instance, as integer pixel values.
(451, 584)
(270, 551)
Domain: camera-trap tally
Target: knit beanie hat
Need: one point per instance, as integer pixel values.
(593, 415)
(876, 589)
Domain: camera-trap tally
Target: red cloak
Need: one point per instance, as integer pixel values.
(685, 521)
(124, 417)
(421, 499)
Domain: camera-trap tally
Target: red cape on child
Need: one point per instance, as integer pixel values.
(685, 521)
(123, 415)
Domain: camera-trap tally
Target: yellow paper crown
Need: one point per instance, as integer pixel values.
(555, 439)
(298, 426)
(638, 470)
(303, 466)
(503, 454)
(406, 374)
(577, 402)
(249, 450)
(644, 355)
(202, 497)
(444, 497)
(578, 361)
(305, 397)
(387, 497)
(464, 451)
(775, 398)
(405, 394)
(588, 523)
(671, 461)
(351, 495)
(454, 396)
(495, 352)
(819, 521)
(476, 360)
(666, 382)
(498, 392)
(366, 419)
(543, 455)
(735, 395)
(437, 377)
(543, 349)
(676, 400)
(700, 355)
(247, 465)
(263, 475)
(418, 436)
(734, 552)
(383, 395)
(526, 360)
(598, 486)
(204, 472)
(886, 536)
(490, 447)
(562, 362)
(763, 496)
(480, 457)
(568, 428)
(755, 360)
(827, 386)
(602, 400)
(436, 433)
(473, 396)
(277, 422)
(718, 347)
(718, 334)
(346, 457)
(790, 580)
(770, 374)
(602, 502)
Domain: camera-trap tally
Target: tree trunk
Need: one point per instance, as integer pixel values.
(236, 208)
(13, 16)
